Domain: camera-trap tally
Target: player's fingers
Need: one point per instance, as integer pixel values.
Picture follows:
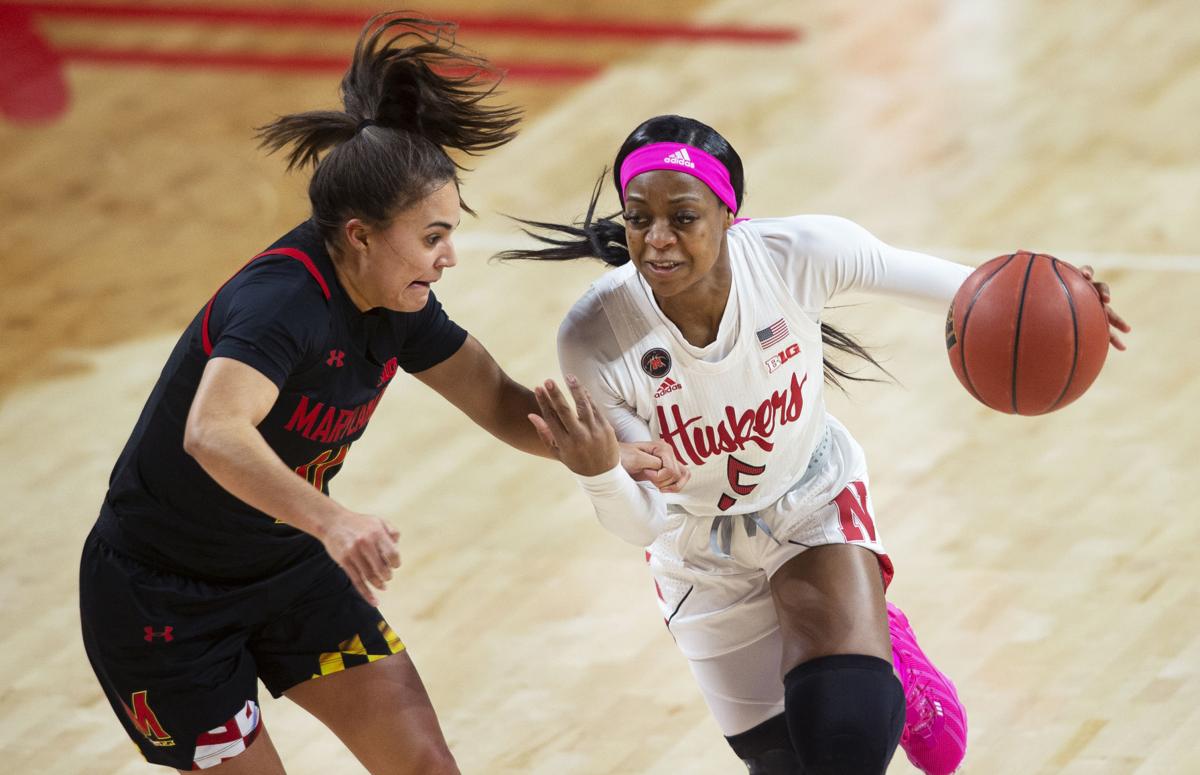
(389, 553)
(550, 417)
(671, 488)
(1104, 291)
(543, 432)
(372, 565)
(667, 455)
(583, 401)
(1087, 271)
(365, 555)
(639, 459)
(661, 478)
(356, 578)
(597, 417)
(392, 532)
(562, 407)
(1116, 321)
(1116, 342)
(678, 476)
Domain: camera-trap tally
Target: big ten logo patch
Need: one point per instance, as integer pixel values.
(146, 720)
(778, 359)
(656, 362)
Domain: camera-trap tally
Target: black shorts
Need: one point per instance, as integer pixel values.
(179, 659)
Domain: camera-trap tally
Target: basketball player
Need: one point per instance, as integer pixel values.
(218, 558)
(768, 562)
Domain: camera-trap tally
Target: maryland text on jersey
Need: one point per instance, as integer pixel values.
(322, 423)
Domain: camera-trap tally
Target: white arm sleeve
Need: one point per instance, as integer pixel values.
(588, 349)
(821, 256)
(634, 512)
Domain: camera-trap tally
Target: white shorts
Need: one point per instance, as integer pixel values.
(713, 576)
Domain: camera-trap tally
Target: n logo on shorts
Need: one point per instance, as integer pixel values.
(147, 723)
(853, 515)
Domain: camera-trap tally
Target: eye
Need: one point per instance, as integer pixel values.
(685, 218)
(433, 239)
(634, 219)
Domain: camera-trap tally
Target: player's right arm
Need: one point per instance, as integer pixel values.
(273, 323)
(222, 435)
(586, 433)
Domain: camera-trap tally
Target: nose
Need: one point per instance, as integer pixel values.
(448, 258)
(660, 236)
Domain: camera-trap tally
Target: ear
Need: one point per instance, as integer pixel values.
(356, 233)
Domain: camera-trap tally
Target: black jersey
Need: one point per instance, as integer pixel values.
(285, 315)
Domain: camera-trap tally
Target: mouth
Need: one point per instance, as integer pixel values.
(421, 284)
(662, 268)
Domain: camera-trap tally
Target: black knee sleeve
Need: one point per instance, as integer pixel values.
(766, 749)
(845, 714)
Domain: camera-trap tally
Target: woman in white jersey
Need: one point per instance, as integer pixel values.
(768, 562)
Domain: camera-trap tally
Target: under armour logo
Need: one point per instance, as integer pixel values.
(151, 634)
(337, 359)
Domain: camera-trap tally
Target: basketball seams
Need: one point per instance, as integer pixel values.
(1029, 372)
(1074, 330)
(1017, 334)
(962, 345)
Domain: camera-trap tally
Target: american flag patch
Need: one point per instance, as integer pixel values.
(772, 334)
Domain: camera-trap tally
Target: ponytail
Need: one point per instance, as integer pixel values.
(411, 93)
(602, 238)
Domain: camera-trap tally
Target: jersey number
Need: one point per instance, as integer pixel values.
(734, 471)
(314, 471)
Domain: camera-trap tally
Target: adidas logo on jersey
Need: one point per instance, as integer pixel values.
(667, 386)
(681, 158)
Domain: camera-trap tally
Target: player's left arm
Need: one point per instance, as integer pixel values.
(473, 381)
(845, 256)
(927, 282)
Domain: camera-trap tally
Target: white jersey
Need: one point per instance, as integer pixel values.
(746, 424)
(746, 411)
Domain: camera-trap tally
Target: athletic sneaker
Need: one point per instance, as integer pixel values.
(935, 724)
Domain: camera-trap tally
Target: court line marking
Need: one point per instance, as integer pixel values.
(509, 24)
(1132, 261)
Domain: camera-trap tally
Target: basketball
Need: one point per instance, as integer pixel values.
(1026, 333)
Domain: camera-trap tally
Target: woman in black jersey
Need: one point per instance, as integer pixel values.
(219, 558)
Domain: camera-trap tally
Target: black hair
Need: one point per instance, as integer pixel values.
(411, 93)
(604, 237)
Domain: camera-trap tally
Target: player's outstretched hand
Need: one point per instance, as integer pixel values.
(655, 462)
(583, 439)
(365, 547)
(1115, 321)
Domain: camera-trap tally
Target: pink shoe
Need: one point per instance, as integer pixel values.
(935, 725)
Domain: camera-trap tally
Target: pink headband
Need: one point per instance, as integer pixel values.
(680, 158)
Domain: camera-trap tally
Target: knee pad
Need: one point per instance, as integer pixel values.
(844, 713)
(767, 749)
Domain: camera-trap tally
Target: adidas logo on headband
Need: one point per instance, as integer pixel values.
(681, 158)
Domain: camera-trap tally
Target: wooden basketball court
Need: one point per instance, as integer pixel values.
(1050, 565)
